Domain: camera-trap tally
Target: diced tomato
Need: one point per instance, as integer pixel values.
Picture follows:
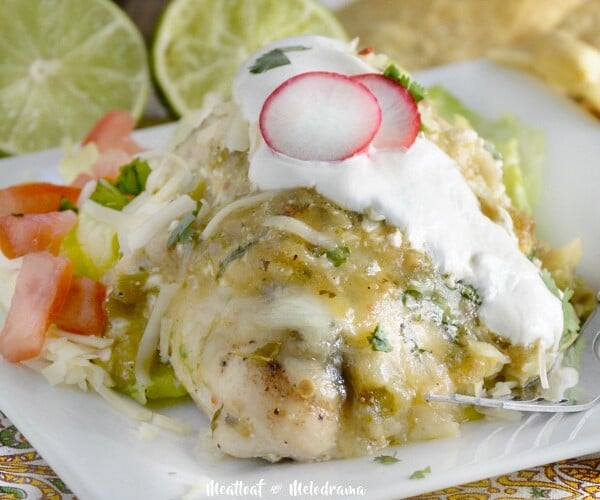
(83, 311)
(41, 289)
(108, 165)
(22, 234)
(113, 131)
(35, 198)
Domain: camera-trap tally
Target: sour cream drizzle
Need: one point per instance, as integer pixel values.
(419, 190)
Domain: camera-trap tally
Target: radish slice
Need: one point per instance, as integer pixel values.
(401, 120)
(320, 116)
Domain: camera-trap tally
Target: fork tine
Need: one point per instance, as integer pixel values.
(535, 405)
(589, 368)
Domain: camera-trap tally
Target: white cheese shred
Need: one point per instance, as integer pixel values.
(163, 344)
(301, 229)
(151, 336)
(239, 204)
(171, 424)
(141, 235)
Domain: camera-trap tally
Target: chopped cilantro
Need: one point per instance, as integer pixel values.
(386, 459)
(130, 183)
(132, 177)
(108, 195)
(448, 319)
(403, 78)
(184, 231)
(468, 292)
(420, 474)
(274, 58)
(379, 341)
(416, 350)
(66, 204)
(237, 253)
(338, 255)
(412, 294)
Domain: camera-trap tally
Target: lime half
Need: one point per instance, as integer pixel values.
(63, 64)
(199, 44)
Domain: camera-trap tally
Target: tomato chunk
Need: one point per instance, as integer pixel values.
(29, 233)
(113, 131)
(35, 198)
(83, 311)
(41, 289)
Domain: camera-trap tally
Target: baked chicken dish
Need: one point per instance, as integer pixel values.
(308, 260)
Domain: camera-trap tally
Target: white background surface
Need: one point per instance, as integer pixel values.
(95, 452)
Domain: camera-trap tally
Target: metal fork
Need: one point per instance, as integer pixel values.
(588, 386)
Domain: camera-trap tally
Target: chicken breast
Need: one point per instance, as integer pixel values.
(310, 332)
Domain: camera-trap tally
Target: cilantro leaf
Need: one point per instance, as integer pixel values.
(183, 231)
(338, 255)
(468, 292)
(238, 253)
(66, 204)
(411, 293)
(108, 195)
(379, 341)
(132, 177)
(420, 474)
(386, 459)
(416, 90)
(274, 58)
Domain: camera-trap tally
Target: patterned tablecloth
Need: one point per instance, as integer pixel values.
(25, 474)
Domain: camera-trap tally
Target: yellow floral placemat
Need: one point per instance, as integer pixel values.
(23, 472)
(25, 475)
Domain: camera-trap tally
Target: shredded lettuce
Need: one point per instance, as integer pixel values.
(77, 160)
(91, 245)
(570, 321)
(521, 147)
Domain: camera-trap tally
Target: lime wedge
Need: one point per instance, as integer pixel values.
(199, 44)
(63, 64)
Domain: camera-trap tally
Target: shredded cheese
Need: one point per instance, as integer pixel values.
(151, 336)
(301, 229)
(163, 344)
(112, 218)
(239, 204)
(146, 432)
(124, 405)
(138, 237)
(171, 424)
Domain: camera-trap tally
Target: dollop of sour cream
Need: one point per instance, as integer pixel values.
(420, 190)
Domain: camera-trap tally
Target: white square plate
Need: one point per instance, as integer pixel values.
(93, 448)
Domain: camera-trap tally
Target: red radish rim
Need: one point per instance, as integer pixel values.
(409, 101)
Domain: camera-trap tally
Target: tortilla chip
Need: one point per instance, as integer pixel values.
(584, 23)
(422, 33)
